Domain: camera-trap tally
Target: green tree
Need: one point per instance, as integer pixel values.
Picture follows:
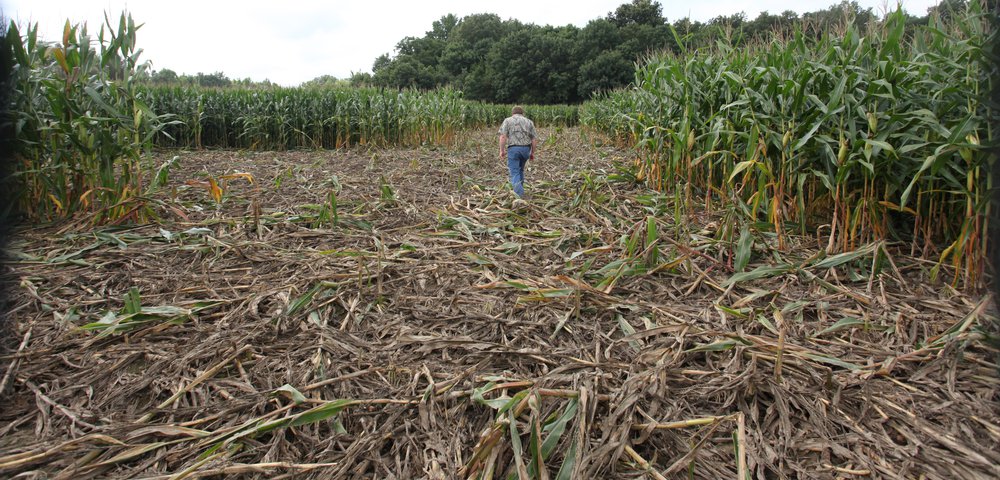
(407, 72)
(948, 9)
(535, 65)
(607, 71)
(217, 79)
(639, 39)
(598, 36)
(381, 62)
(639, 12)
(361, 79)
(164, 76)
(470, 41)
(324, 81)
(441, 29)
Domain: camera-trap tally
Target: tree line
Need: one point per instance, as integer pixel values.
(166, 76)
(507, 61)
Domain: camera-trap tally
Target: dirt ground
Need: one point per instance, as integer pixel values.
(428, 326)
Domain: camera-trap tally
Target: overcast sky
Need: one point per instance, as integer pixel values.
(292, 41)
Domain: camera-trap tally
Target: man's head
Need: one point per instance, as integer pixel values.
(517, 111)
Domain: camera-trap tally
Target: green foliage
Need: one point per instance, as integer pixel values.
(81, 122)
(167, 76)
(281, 118)
(639, 12)
(876, 133)
(510, 62)
(537, 66)
(607, 71)
(507, 61)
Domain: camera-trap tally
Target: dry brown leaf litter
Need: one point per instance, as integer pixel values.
(434, 294)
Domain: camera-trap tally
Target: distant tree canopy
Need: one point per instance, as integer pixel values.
(167, 76)
(506, 61)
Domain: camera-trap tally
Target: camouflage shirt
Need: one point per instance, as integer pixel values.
(518, 129)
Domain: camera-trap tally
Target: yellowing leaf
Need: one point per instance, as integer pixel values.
(56, 201)
(83, 198)
(740, 167)
(215, 190)
(893, 206)
(60, 57)
(246, 176)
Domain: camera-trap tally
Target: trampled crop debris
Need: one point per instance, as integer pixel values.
(373, 313)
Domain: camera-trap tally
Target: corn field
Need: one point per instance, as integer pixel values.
(84, 120)
(322, 118)
(81, 122)
(861, 137)
(322, 283)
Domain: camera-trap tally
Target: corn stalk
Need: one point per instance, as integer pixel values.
(862, 137)
(81, 122)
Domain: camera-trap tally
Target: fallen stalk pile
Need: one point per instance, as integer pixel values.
(391, 314)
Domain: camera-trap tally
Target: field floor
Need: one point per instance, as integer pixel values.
(430, 327)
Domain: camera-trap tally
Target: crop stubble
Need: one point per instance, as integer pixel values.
(429, 295)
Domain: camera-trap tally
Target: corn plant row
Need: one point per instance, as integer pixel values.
(290, 118)
(81, 122)
(861, 137)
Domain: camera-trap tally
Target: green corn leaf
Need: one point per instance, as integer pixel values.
(478, 396)
(719, 346)
(767, 324)
(744, 248)
(515, 443)
(738, 313)
(291, 392)
(197, 231)
(133, 304)
(163, 311)
(513, 402)
(832, 361)
(846, 257)
(883, 145)
(302, 301)
(99, 100)
(162, 175)
(651, 233)
(628, 331)
(558, 427)
(928, 162)
(740, 167)
(569, 463)
(321, 412)
(111, 239)
(764, 271)
(801, 142)
(536, 469)
(843, 323)
(517, 285)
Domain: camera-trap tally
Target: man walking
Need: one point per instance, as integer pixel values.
(518, 141)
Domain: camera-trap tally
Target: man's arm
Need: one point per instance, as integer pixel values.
(534, 139)
(503, 145)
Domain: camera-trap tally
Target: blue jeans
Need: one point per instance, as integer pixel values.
(517, 158)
